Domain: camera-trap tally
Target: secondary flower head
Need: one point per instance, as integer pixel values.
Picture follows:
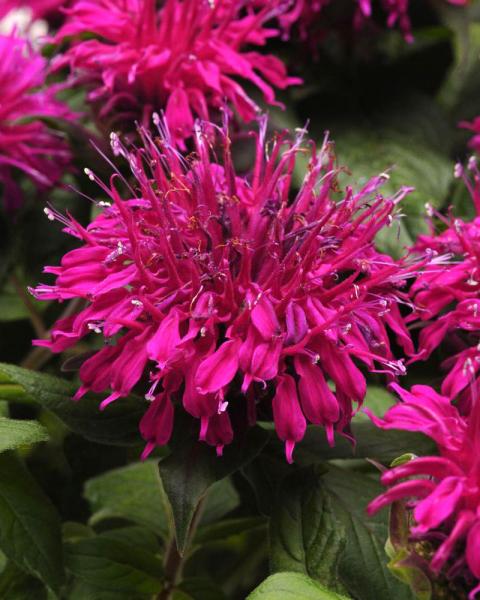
(233, 291)
(26, 142)
(443, 491)
(448, 300)
(39, 9)
(186, 58)
(305, 14)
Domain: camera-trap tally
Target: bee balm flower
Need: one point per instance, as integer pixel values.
(448, 300)
(26, 142)
(306, 14)
(185, 58)
(443, 492)
(222, 289)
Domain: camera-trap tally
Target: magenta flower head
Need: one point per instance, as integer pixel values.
(305, 14)
(185, 58)
(443, 492)
(447, 300)
(227, 290)
(26, 142)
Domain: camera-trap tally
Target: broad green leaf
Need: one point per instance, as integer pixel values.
(12, 308)
(363, 563)
(378, 400)
(15, 584)
(111, 564)
(135, 536)
(82, 590)
(265, 475)
(193, 467)
(292, 586)
(427, 169)
(29, 525)
(134, 493)
(15, 433)
(320, 528)
(306, 535)
(73, 531)
(116, 425)
(226, 528)
(222, 498)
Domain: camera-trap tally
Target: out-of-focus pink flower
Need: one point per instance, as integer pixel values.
(443, 491)
(39, 8)
(304, 13)
(26, 142)
(227, 289)
(187, 58)
(448, 299)
(474, 126)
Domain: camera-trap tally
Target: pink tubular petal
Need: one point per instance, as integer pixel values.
(406, 489)
(289, 421)
(439, 505)
(219, 368)
(319, 403)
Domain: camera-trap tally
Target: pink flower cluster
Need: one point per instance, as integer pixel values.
(186, 58)
(26, 142)
(223, 289)
(446, 488)
(447, 300)
(443, 491)
(40, 8)
(305, 14)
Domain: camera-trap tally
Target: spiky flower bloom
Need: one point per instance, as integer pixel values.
(233, 291)
(448, 300)
(185, 58)
(442, 491)
(26, 142)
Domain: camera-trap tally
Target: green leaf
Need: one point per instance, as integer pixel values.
(29, 526)
(224, 529)
(116, 425)
(83, 590)
(15, 433)
(135, 536)
(15, 584)
(109, 563)
(222, 498)
(320, 528)
(201, 588)
(378, 400)
(193, 467)
(292, 586)
(306, 535)
(13, 309)
(134, 493)
(363, 565)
